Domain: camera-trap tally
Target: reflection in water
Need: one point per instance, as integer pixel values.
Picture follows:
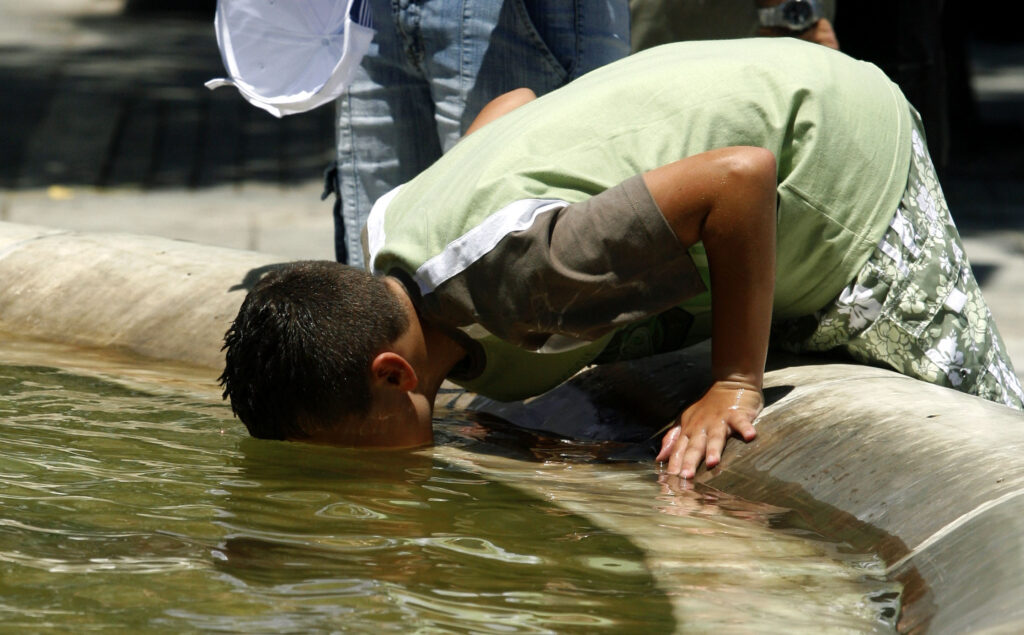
(134, 505)
(405, 539)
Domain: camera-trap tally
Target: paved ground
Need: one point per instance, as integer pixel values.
(106, 127)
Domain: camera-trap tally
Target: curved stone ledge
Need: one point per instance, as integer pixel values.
(930, 479)
(149, 296)
(939, 474)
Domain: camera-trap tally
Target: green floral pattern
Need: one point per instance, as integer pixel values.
(915, 305)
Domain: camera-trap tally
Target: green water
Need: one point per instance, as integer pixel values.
(137, 503)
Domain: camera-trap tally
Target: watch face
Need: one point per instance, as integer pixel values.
(797, 13)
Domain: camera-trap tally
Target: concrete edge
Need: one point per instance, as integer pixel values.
(923, 476)
(144, 295)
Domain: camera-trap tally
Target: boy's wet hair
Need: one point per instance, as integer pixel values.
(297, 357)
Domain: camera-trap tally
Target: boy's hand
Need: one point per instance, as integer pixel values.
(704, 427)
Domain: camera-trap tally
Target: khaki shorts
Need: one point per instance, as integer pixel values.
(915, 305)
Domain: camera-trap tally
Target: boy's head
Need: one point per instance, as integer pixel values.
(299, 353)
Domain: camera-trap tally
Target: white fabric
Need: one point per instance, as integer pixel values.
(956, 301)
(290, 56)
(466, 249)
(471, 246)
(375, 235)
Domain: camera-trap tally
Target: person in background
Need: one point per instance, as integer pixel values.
(432, 66)
(655, 22)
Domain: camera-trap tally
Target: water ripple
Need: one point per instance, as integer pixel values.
(135, 501)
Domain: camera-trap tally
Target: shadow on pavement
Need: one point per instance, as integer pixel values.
(122, 103)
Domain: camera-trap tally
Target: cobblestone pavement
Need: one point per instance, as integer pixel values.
(106, 126)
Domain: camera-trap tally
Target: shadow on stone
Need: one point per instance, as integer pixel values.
(253, 276)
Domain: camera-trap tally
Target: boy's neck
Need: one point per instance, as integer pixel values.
(442, 351)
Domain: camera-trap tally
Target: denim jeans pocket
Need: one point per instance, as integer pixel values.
(551, 27)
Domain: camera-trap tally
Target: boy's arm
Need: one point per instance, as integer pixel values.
(501, 105)
(725, 198)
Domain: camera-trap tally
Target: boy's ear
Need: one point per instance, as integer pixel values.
(389, 369)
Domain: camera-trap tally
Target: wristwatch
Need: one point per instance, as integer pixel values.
(795, 15)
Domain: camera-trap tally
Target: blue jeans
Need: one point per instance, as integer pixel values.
(433, 65)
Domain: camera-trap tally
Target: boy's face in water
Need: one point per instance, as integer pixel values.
(402, 405)
(403, 382)
(396, 424)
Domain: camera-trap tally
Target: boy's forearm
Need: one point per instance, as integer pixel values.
(740, 243)
(726, 199)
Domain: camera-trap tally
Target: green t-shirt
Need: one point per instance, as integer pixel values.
(839, 129)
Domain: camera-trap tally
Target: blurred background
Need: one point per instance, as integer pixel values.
(108, 95)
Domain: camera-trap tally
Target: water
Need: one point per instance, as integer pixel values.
(130, 500)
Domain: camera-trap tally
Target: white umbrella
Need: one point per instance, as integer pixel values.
(290, 56)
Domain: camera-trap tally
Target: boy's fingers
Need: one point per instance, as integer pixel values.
(716, 443)
(694, 454)
(742, 424)
(667, 443)
(740, 417)
(675, 462)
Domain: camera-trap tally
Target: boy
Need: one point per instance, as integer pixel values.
(591, 224)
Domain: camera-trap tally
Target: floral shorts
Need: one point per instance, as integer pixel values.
(915, 305)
